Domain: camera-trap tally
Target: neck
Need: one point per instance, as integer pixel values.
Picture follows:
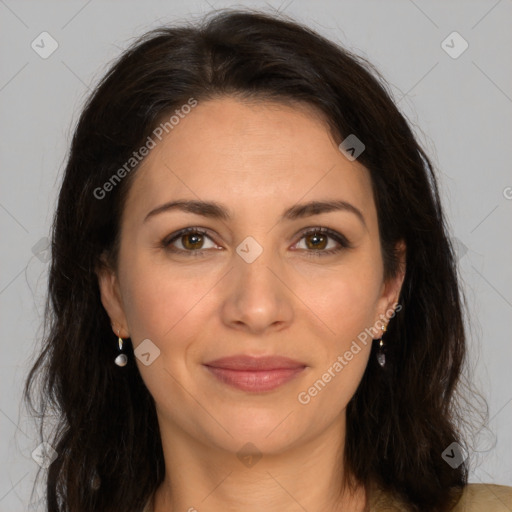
(203, 477)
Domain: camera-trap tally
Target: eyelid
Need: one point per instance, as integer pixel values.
(338, 237)
(167, 241)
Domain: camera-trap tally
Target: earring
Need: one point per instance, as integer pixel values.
(381, 356)
(121, 359)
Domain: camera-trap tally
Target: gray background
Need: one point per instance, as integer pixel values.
(460, 107)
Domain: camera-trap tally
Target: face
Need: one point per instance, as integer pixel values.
(255, 275)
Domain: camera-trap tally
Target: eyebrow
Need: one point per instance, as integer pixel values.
(214, 210)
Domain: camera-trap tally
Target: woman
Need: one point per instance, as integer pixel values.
(253, 298)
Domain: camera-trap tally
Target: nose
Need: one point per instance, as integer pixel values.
(257, 298)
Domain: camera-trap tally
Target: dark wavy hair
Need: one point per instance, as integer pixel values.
(400, 419)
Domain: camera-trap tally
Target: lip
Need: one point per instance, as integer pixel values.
(255, 374)
(243, 362)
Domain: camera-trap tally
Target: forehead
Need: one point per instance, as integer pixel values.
(250, 155)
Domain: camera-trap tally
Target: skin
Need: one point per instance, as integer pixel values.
(257, 159)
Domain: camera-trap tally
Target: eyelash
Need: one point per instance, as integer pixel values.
(338, 237)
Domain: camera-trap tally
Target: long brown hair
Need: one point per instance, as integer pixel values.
(400, 420)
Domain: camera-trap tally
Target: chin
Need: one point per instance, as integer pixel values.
(269, 432)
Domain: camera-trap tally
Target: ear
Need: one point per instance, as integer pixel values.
(111, 298)
(391, 288)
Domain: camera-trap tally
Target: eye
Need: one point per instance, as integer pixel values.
(318, 241)
(323, 242)
(191, 240)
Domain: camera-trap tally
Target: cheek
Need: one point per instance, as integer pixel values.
(167, 309)
(157, 299)
(346, 306)
(344, 300)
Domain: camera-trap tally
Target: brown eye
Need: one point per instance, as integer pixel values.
(316, 241)
(189, 240)
(323, 242)
(192, 241)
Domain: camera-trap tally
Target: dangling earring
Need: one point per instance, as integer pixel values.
(121, 359)
(381, 356)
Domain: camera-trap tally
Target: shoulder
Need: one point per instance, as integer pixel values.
(488, 497)
(473, 498)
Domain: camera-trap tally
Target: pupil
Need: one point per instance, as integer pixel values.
(317, 239)
(192, 240)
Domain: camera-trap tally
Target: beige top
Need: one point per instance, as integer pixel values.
(475, 498)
